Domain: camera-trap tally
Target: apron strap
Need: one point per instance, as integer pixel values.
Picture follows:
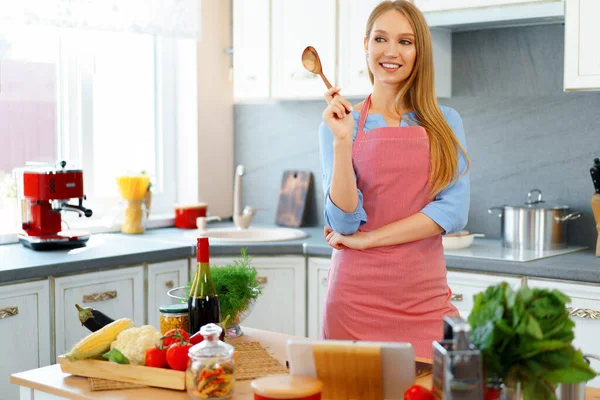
(364, 112)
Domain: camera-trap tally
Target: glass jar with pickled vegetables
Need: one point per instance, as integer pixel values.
(210, 374)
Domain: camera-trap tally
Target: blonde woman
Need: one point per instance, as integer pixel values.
(395, 177)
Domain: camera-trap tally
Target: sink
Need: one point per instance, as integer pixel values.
(234, 235)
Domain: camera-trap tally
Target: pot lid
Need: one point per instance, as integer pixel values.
(536, 202)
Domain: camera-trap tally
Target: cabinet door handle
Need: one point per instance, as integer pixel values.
(324, 282)
(8, 312)
(262, 280)
(169, 284)
(584, 313)
(303, 75)
(457, 297)
(104, 296)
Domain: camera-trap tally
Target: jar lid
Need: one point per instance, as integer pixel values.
(286, 386)
(211, 347)
(179, 308)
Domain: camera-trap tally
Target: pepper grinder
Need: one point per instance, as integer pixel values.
(595, 172)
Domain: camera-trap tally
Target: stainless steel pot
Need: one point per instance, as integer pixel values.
(535, 224)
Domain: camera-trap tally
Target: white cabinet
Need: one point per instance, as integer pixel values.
(353, 75)
(296, 25)
(282, 306)
(582, 44)
(318, 271)
(251, 54)
(161, 278)
(465, 285)
(24, 331)
(445, 5)
(585, 312)
(117, 293)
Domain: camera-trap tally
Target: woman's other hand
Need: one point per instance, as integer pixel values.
(357, 241)
(338, 115)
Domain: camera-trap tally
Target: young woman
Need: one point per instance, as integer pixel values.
(395, 177)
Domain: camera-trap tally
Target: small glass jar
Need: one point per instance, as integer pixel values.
(174, 316)
(210, 373)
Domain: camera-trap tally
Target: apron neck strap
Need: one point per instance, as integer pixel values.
(364, 111)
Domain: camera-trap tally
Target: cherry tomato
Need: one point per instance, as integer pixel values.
(416, 392)
(174, 336)
(156, 358)
(177, 356)
(196, 338)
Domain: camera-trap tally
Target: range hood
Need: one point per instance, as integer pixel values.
(477, 18)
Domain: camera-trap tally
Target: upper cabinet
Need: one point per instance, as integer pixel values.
(582, 44)
(296, 25)
(252, 54)
(445, 5)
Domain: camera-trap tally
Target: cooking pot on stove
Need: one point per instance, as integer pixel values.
(535, 225)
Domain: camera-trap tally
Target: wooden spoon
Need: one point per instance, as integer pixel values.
(312, 63)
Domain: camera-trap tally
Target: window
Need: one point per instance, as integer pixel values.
(103, 101)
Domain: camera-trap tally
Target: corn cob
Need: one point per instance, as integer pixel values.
(98, 343)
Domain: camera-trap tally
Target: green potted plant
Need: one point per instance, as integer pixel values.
(237, 288)
(526, 337)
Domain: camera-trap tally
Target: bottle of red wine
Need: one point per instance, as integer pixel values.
(203, 302)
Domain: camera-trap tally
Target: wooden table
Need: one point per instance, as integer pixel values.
(49, 383)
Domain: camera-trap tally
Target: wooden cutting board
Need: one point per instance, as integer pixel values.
(293, 195)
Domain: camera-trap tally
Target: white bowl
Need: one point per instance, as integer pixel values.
(460, 240)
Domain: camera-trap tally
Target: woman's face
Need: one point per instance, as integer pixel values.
(390, 48)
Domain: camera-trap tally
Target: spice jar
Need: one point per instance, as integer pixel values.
(287, 387)
(174, 316)
(210, 372)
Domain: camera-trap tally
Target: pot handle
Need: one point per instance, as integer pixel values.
(569, 217)
(491, 211)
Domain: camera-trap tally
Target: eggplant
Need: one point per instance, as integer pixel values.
(92, 318)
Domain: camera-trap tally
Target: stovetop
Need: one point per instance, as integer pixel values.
(492, 249)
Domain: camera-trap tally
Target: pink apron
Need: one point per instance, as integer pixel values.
(394, 293)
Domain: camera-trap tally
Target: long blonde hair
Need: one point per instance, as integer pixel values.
(418, 93)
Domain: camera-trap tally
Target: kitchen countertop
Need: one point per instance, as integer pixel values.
(52, 380)
(18, 263)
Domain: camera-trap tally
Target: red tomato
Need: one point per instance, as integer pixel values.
(416, 392)
(156, 358)
(175, 336)
(177, 356)
(196, 338)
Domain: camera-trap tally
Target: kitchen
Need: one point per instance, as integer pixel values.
(505, 77)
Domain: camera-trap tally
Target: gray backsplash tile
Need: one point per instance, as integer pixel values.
(522, 131)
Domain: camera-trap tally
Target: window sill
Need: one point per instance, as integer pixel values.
(154, 222)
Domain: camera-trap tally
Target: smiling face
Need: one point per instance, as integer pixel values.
(391, 48)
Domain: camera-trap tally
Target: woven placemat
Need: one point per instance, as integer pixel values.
(253, 361)
(97, 384)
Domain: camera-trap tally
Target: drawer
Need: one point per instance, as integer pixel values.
(465, 286)
(117, 293)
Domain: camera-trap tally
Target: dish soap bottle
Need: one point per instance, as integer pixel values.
(211, 371)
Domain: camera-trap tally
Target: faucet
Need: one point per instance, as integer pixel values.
(241, 219)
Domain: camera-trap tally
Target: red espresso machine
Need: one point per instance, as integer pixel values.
(44, 192)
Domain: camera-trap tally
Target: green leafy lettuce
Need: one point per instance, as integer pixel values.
(526, 336)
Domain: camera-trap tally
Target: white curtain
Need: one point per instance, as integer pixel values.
(174, 18)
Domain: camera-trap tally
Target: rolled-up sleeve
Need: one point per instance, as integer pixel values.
(340, 221)
(450, 209)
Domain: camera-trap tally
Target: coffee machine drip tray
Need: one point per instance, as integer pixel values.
(61, 240)
(492, 249)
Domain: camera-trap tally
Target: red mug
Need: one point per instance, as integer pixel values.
(186, 215)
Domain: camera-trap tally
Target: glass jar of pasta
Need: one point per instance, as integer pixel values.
(174, 316)
(210, 373)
